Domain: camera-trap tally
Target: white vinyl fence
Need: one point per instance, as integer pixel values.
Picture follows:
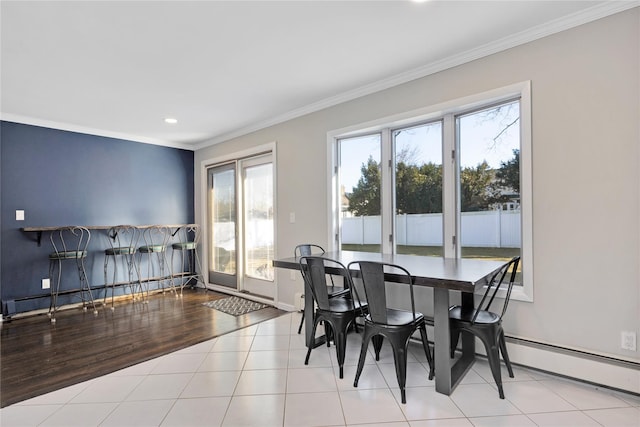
(491, 229)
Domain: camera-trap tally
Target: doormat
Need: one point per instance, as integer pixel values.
(235, 306)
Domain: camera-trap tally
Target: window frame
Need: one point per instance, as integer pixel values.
(447, 112)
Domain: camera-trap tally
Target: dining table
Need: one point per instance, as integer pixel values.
(444, 275)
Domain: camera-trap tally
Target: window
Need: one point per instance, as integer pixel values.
(452, 180)
(360, 204)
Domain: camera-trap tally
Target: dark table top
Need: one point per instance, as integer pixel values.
(437, 272)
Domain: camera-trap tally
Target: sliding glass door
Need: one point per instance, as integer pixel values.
(241, 225)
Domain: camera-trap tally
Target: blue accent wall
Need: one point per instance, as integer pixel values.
(67, 178)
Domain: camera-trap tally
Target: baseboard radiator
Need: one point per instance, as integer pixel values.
(595, 369)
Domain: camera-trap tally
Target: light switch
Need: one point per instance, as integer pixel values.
(19, 215)
(292, 217)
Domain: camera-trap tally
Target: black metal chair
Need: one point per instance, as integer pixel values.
(383, 322)
(187, 247)
(486, 324)
(309, 249)
(337, 313)
(69, 243)
(123, 244)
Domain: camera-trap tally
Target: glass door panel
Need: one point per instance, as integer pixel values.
(222, 225)
(258, 225)
(418, 191)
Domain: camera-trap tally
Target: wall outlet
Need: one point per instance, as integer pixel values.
(19, 215)
(628, 340)
(46, 283)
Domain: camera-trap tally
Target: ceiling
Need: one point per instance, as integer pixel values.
(226, 68)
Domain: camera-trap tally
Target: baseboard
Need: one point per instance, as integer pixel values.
(606, 371)
(286, 307)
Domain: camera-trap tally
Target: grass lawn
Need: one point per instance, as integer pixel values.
(467, 252)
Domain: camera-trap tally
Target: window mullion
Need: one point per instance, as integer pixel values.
(450, 196)
(387, 180)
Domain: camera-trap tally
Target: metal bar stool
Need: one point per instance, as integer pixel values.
(187, 247)
(123, 242)
(69, 243)
(156, 239)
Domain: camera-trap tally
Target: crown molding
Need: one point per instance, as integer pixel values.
(90, 131)
(594, 13)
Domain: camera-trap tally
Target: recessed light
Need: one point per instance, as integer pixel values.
(171, 120)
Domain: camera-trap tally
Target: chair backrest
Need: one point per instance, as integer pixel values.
(72, 240)
(307, 249)
(189, 233)
(373, 276)
(494, 286)
(156, 235)
(314, 270)
(124, 236)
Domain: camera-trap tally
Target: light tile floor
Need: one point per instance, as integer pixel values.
(256, 377)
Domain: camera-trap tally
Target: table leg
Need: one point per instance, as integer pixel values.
(448, 376)
(442, 341)
(468, 340)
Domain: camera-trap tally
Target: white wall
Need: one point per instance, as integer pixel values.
(585, 106)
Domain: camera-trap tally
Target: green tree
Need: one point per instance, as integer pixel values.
(507, 181)
(418, 188)
(476, 191)
(508, 176)
(364, 200)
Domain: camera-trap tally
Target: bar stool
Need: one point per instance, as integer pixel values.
(187, 247)
(69, 243)
(156, 239)
(123, 241)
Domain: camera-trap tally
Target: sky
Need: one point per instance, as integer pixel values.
(477, 133)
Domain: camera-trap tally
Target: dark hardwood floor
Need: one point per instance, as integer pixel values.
(38, 357)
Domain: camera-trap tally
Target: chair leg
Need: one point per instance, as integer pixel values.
(301, 322)
(399, 346)
(377, 345)
(313, 333)
(493, 354)
(454, 334)
(340, 325)
(84, 283)
(106, 286)
(505, 355)
(328, 333)
(341, 343)
(400, 358)
(131, 266)
(427, 352)
(171, 272)
(55, 288)
(363, 354)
